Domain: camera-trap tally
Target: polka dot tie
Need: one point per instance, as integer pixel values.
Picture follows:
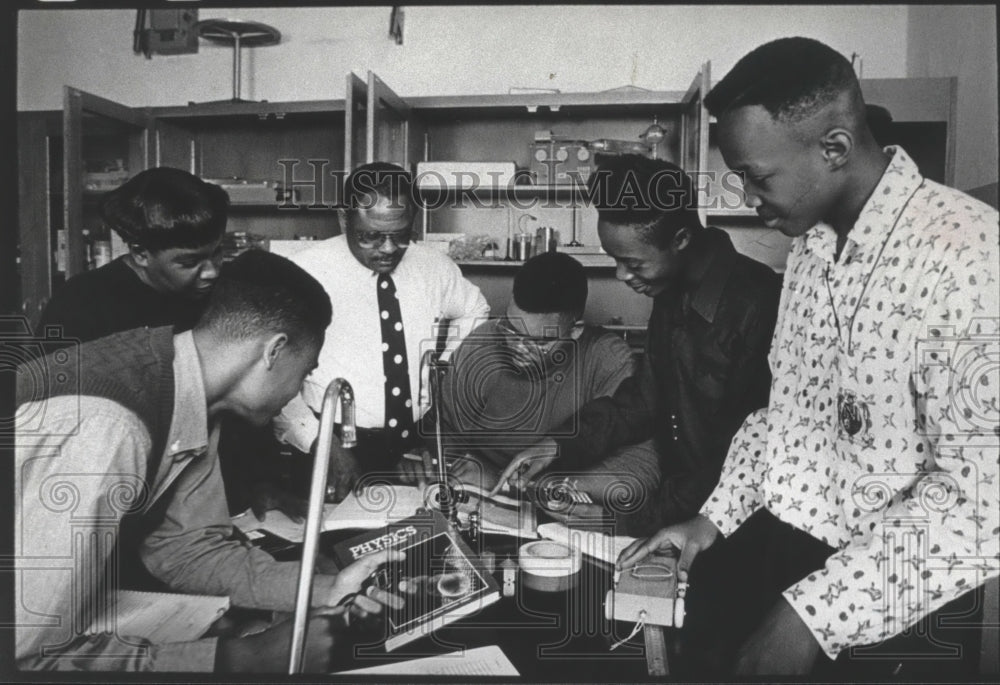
(398, 403)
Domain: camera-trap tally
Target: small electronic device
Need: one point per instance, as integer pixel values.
(646, 593)
(561, 162)
(243, 191)
(465, 175)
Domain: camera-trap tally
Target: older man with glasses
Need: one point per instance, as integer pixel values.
(390, 296)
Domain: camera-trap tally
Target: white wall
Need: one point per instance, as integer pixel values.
(447, 50)
(961, 40)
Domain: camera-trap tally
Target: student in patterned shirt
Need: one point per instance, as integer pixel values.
(864, 498)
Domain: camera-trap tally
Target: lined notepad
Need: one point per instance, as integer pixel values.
(160, 617)
(481, 661)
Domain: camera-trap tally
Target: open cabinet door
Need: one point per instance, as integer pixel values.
(355, 122)
(104, 143)
(694, 135)
(388, 125)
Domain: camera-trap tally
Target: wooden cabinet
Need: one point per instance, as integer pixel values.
(502, 128)
(67, 158)
(278, 160)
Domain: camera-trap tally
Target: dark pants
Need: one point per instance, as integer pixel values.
(737, 580)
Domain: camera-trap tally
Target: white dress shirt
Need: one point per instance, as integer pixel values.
(431, 289)
(881, 434)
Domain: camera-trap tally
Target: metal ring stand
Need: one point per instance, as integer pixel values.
(239, 34)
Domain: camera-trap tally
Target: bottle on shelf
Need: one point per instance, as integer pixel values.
(98, 246)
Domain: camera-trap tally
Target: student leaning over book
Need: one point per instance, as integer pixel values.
(128, 430)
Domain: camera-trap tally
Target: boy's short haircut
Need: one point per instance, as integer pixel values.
(654, 196)
(260, 292)
(791, 78)
(551, 282)
(163, 208)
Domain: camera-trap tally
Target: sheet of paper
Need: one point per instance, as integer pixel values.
(481, 661)
(278, 523)
(593, 544)
(161, 617)
(377, 505)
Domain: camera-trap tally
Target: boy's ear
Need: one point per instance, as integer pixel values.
(681, 239)
(273, 349)
(140, 255)
(837, 143)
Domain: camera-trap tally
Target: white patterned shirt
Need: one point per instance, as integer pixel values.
(882, 431)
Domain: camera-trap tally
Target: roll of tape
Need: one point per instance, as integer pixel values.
(549, 566)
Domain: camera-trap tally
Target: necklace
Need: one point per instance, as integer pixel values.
(868, 277)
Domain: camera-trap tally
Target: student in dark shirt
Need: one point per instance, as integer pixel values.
(172, 223)
(705, 367)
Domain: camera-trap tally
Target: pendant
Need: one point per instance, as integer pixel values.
(852, 413)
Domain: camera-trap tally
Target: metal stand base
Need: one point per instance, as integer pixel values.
(239, 34)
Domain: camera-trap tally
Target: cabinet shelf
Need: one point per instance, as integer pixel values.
(277, 207)
(604, 102)
(251, 110)
(520, 192)
(742, 216)
(589, 261)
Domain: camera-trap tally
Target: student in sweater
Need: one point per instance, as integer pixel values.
(522, 377)
(863, 499)
(126, 434)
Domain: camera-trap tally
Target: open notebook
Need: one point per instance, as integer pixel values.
(160, 617)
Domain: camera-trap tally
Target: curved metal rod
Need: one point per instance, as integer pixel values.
(340, 391)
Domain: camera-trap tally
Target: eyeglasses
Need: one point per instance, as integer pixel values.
(506, 327)
(370, 239)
